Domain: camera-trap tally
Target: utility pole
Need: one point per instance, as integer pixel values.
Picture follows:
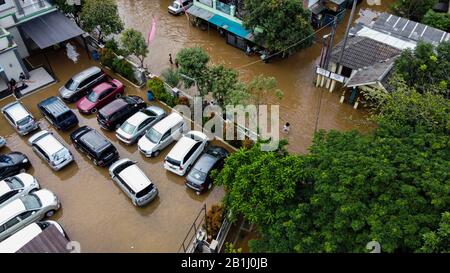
(349, 25)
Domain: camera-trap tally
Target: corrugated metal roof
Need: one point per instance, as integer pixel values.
(199, 12)
(49, 241)
(371, 75)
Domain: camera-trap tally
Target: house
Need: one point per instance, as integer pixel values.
(370, 52)
(28, 27)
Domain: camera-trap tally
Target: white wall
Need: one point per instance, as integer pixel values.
(23, 51)
(11, 65)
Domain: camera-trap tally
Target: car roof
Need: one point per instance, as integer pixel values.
(17, 111)
(20, 238)
(55, 106)
(95, 140)
(167, 123)
(102, 87)
(135, 178)
(113, 107)
(181, 148)
(50, 144)
(10, 210)
(205, 163)
(137, 118)
(86, 73)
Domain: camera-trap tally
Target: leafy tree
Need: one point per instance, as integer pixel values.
(101, 17)
(438, 241)
(225, 86)
(412, 9)
(437, 20)
(426, 68)
(133, 43)
(71, 8)
(171, 76)
(284, 24)
(192, 62)
(390, 186)
(261, 89)
(229, 248)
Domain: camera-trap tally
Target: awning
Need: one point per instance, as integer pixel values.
(51, 29)
(231, 26)
(200, 13)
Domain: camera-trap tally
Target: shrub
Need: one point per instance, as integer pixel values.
(214, 220)
(437, 20)
(171, 76)
(183, 100)
(107, 57)
(124, 68)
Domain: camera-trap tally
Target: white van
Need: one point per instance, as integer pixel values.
(180, 6)
(26, 235)
(161, 135)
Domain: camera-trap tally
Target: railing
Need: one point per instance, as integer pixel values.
(192, 240)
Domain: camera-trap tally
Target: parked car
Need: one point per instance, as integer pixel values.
(19, 117)
(100, 96)
(181, 158)
(199, 178)
(138, 124)
(180, 6)
(58, 114)
(95, 146)
(12, 164)
(50, 149)
(2, 142)
(115, 113)
(78, 85)
(13, 187)
(25, 210)
(133, 181)
(161, 135)
(21, 238)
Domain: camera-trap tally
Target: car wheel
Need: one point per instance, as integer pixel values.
(95, 162)
(210, 186)
(94, 110)
(198, 193)
(156, 153)
(118, 96)
(50, 213)
(22, 170)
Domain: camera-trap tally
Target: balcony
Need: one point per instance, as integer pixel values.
(27, 9)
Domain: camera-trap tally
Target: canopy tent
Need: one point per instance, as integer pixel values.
(51, 29)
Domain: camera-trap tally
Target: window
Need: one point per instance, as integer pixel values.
(145, 191)
(153, 135)
(191, 152)
(145, 123)
(166, 136)
(25, 215)
(5, 160)
(41, 152)
(11, 223)
(9, 117)
(31, 202)
(7, 196)
(2, 2)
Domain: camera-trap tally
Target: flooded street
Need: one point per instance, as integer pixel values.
(295, 75)
(94, 210)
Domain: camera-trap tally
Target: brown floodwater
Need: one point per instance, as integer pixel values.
(95, 212)
(295, 75)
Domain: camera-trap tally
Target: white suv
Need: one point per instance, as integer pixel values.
(184, 154)
(49, 148)
(13, 187)
(133, 182)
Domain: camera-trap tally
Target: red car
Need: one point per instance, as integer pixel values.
(100, 96)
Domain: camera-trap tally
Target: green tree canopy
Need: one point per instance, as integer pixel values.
(426, 68)
(133, 43)
(438, 241)
(437, 20)
(391, 185)
(412, 9)
(284, 24)
(101, 17)
(71, 9)
(193, 63)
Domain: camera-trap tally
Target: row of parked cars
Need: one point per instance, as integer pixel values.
(133, 121)
(23, 203)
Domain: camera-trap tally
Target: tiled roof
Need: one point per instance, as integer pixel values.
(373, 74)
(363, 52)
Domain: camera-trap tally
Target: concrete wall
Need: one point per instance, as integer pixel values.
(22, 49)
(11, 64)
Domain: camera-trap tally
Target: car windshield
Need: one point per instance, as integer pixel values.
(60, 155)
(176, 5)
(198, 175)
(24, 121)
(71, 85)
(173, 162)
(153, 135)
(128, 128)
(64, 116)
(93, 97)
(31, 202)
(14, 183)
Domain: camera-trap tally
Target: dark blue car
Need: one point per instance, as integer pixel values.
(58, 113)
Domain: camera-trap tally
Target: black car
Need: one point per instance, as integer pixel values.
(199, 178)
(117, 112)
(58, 114)
(12, 164)
(95, 146)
